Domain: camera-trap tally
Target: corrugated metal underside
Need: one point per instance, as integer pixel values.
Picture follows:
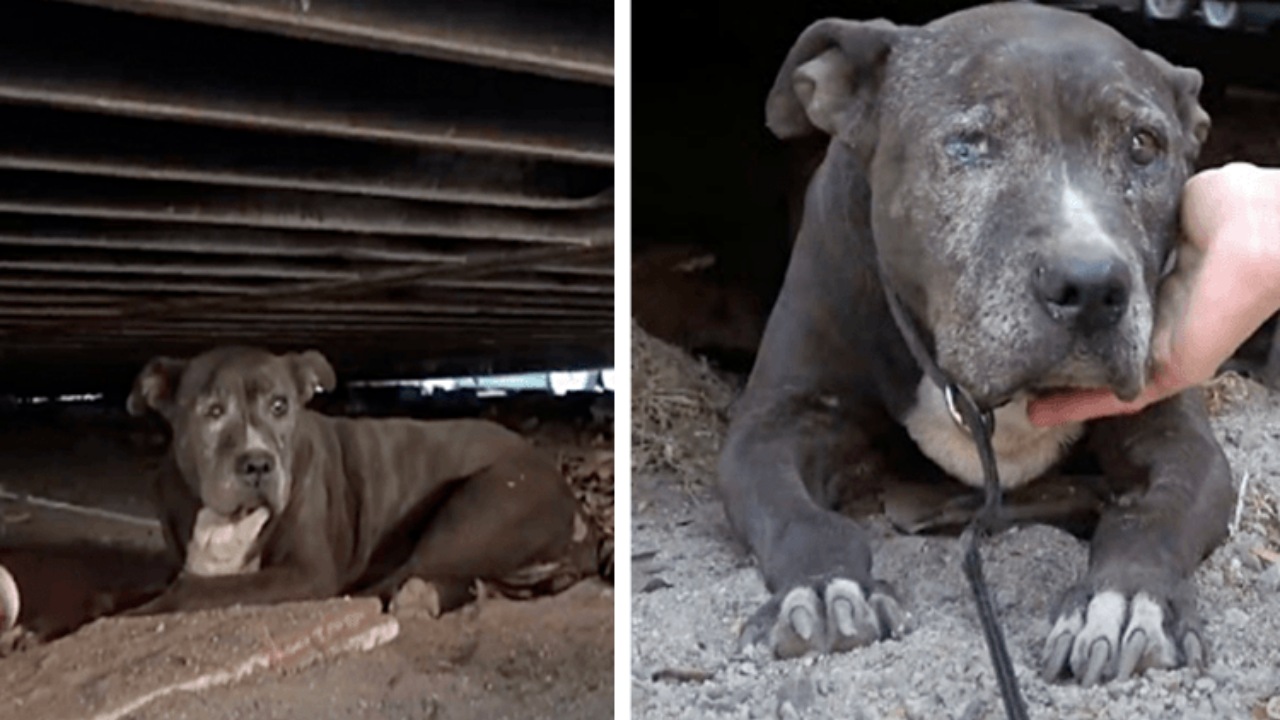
(400, 183)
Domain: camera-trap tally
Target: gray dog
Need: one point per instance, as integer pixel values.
(1011, 174)
(265, 501)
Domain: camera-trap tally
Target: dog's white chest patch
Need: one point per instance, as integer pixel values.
(220, 546)
(1023, 451)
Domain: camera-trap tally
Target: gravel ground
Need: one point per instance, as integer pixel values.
(694, 587)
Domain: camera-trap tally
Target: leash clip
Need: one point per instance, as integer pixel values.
(949, 392)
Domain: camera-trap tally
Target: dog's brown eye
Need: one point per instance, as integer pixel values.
(279, 406)
(215, 411)
(1144, 148)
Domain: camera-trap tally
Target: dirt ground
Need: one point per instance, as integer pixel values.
(694, 587)
(545, 658)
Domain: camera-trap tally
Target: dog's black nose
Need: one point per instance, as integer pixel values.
(1089, 294)
(254, 466)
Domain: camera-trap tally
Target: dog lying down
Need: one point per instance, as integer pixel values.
(1009, 176)
(264, 500)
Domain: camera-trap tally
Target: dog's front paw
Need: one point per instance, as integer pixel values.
(1102, 636)
(832, 615)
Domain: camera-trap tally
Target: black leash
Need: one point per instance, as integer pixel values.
(980, 424)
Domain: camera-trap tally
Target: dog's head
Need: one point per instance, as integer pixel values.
(233, 411)
(1025, 166)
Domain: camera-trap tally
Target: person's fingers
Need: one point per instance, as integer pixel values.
(1087, 404)
(1235, 192)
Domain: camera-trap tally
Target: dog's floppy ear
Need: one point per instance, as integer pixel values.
(312, 372)
(1186, 84)
(830, 80)
(156, 386)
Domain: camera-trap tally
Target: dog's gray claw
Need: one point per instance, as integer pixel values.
(1110, 637)
(852, 621)
(1099, 657)
(797, 629)
(893, 617)
(1057, 653)
(1131, 651)
(842, 613)
(833, 616)
(1193, 648)
(802, 622)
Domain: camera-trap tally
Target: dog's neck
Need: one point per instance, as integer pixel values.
(222, 546)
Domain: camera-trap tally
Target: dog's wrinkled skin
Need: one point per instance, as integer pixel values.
(1015, 170)
(264, 500)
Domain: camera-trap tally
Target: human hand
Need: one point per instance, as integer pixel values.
(1226, 284)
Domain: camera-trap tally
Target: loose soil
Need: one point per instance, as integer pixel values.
(694, 586)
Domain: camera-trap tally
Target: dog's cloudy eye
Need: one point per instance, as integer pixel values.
(279, 406)
(1144, 147)
(215, 411)
(967, 148)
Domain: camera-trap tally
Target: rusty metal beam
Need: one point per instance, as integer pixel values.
(366, 312)
(246, 326)
(525, 285)
(471, 267)
(62, 196)
(96, 61)
(42, 139)
(559, 39)
(400, 183)
(393, 337)
(149, 263)
(188, 287)
(246, 244)
(112, 367)
(64, 298)
(444, 338)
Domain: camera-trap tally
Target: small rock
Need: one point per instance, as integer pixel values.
(797, 694)
(975, 710)
(1236, 617)
(1273, 708)
(1250, 560)
(1269, 580)
(416, 596)
(656, 584)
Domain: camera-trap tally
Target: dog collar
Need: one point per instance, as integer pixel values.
(959, 401)
(980, 423)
